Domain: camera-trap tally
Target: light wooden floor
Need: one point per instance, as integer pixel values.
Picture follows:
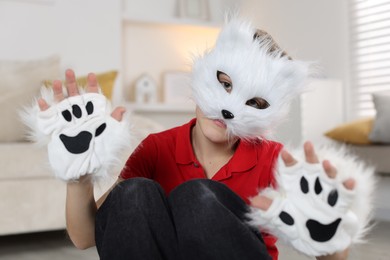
(56, 246)
(376, 248)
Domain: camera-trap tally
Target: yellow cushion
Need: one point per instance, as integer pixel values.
(355, 132)
(106, 81)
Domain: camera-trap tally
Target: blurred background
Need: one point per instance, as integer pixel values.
(142, 51)
(156, 38)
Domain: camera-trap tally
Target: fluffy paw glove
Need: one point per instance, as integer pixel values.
(82, 136)
(313, 213)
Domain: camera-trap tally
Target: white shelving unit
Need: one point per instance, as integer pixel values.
(168, 115)
(157, 23)
(187, 12)
(161, 107)
(170, 21)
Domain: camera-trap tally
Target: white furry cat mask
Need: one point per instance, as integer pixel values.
(263, 81)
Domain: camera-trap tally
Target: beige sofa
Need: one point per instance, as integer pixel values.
(375, 155)
(31, 198)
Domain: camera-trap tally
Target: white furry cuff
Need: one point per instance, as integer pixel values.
(313, 213)
(83, 137)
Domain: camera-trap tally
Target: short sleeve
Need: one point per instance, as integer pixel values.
(273, 155)
(142, 161)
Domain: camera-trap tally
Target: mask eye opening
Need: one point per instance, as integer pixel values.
(225, 81)
(258, 103)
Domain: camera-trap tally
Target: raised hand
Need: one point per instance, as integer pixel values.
(263, 202)
(84, 138)
(313, 207)
(72, 90)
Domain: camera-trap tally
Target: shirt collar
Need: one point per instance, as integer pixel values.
(244, 158)
(184, 152)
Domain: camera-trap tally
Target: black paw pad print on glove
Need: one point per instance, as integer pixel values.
(318, 232)
(82, 136)
(81, 142)
(309, 210)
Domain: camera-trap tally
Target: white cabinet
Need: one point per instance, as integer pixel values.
(321, 108)
(317, 110)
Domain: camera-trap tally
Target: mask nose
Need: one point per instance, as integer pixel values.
(227, 114)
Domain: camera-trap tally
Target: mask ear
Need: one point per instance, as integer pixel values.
(265, 38)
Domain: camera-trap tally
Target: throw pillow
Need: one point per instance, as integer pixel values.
(106, 81)
(12, 129)
(355, 132)
(381, 130)
(16, 75)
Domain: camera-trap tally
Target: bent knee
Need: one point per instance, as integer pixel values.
(136, 190)
(200, 189)
(207, 196)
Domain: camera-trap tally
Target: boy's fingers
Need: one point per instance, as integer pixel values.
(118, 112)
(57, 91)
(71, 83)
(42, 104)
(92, 84)
(261, 202)
(287, 158)
(311, 156)
(329, 169)
(349, 184)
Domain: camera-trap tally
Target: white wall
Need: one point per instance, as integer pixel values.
(86, 34)
(310, 30)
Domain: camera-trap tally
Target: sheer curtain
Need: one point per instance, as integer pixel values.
(370, 53)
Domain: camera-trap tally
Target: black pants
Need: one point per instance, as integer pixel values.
(201, 219)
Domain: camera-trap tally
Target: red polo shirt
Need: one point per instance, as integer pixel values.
(168, 158)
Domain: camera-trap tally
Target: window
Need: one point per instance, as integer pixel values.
(370, 53)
